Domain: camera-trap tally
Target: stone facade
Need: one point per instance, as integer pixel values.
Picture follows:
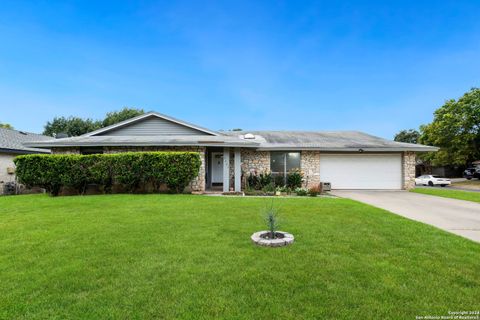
(6, 161)
(197, 184)
(67, 150)
(310, 166)
(253, 162)
(409, 162)
(257, 161)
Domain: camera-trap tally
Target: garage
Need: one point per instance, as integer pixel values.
(362, 171)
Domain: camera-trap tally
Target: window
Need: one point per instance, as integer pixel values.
(283, 162)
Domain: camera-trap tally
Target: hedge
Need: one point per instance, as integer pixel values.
(131, 170)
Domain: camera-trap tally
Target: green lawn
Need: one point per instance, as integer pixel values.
(449, 193)
(473, 184)
(190, 257)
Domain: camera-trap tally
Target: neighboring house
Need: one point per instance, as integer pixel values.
(12, 145)
(346, 159)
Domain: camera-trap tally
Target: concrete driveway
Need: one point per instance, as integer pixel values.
(455, 216)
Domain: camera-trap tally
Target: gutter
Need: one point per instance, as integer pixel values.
(357, 150)
(18, 151)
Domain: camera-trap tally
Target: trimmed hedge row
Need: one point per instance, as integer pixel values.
(132, 170)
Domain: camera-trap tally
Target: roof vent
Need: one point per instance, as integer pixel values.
(249, 136)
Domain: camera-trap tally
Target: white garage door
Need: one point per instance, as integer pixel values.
(352, 171)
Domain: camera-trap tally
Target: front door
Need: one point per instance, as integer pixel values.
(217, 167)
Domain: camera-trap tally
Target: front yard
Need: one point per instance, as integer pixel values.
(450, 193)
(165, 256)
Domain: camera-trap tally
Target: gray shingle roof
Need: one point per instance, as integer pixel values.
(182, 140)
(264, 140)
(327, 141)
(13, 141)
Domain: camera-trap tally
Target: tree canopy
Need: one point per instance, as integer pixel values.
(76, 126)
(119, 116)
(408, 136)
(72, 126)
(6, 126)
(455, 129)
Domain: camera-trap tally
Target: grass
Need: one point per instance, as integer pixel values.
(190, 257)
(471, 184)
(446, 193)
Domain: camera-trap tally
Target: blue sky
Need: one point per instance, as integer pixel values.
(374, 66)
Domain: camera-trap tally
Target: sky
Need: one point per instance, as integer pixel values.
(373, 66)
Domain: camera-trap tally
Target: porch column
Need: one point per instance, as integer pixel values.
(238, 170)
(226, 169)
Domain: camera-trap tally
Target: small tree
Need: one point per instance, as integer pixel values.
(271, 218)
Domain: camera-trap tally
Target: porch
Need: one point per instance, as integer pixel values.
(223, 169)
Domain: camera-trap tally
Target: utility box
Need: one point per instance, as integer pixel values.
(10, 170)
(326, 186)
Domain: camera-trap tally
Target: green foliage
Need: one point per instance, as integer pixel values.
(76, 126)
(130, 169)
(269, 188)
(456, 130)
(408, 136)
(294, 179)
(6, 126)
(45, 171)
(72, 126)
(122, 115)
(302, 192)
(314, 191)
(259, 181)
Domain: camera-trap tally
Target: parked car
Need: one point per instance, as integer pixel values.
(432, 180)
(471, 173)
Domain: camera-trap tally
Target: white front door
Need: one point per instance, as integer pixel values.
(217, 167)
(362, 171)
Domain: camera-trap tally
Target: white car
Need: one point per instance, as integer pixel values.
(431, 180)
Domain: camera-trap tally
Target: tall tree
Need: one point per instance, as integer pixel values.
(118, 116)
(76, 126)
(72, 126)
(409, 136)
(456, 130)
(6, 126)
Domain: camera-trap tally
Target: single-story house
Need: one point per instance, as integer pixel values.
(346, 159)
(12, 145)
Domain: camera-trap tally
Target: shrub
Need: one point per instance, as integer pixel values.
(314, 191)
(265, 179)
(269, 188)
(253, 181)
(279, 180)
(43, 171)
(294, 179)
(301, 192)
(259, 181)
(52, 172)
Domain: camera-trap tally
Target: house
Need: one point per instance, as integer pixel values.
(12, 145)
(346, 159)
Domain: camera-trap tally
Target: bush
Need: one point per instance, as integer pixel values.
(314, 191)
(131, 170)
(259, 181)
(301, 192)
(294, 179)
